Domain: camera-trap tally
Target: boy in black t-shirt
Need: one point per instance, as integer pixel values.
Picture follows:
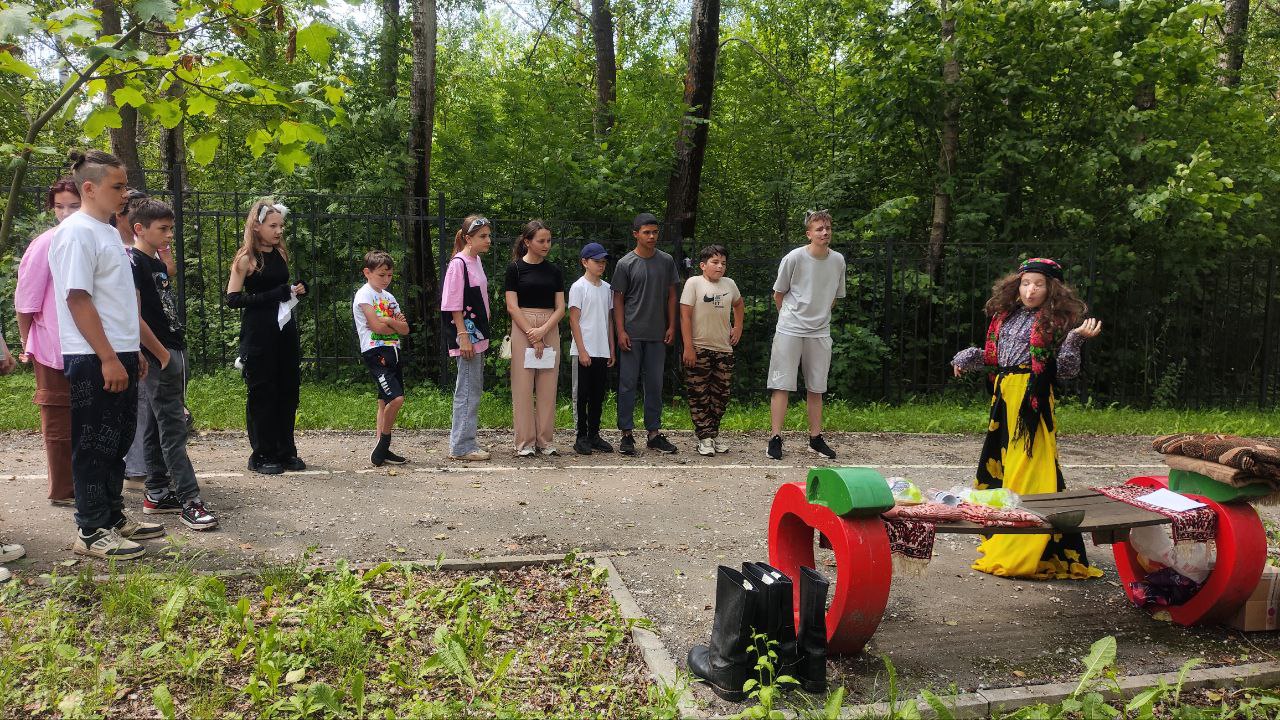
(164, 426)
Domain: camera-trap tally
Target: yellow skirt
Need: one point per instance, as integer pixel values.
(1004, 464)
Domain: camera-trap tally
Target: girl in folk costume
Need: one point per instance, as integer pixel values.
(1030, 345)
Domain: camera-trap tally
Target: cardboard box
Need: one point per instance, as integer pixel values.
(1260, 610)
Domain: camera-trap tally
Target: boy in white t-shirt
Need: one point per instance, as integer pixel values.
(810, 280)
(590, 304)
(705, 306)
(99, 333)
(380, 324)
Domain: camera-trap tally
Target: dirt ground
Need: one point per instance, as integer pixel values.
(672, 520)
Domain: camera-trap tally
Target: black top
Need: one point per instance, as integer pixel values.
(259, 328)
(159, 302)
(535, 285)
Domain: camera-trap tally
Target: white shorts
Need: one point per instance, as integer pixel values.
(791, 353)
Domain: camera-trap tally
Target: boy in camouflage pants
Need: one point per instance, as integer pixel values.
(705, 307)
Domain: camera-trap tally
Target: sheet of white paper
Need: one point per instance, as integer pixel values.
(532, 362)
(286, 310)
(1169, 500)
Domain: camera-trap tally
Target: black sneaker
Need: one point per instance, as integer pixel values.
(775, 447)
(660, 443)
(378, 456)
(820, 446)
(266, 468)
(582, 446)
(294, 464)
(628, 444)
(599, 444)
(395, 459)
(197, 517)
(165, 505)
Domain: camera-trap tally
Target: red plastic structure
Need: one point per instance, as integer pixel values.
(864, 566)
(1242, 552)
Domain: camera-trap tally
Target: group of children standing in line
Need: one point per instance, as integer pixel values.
(99, 322)
(630, 323)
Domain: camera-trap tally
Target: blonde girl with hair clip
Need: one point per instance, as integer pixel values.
(269, 351)
(464, 310)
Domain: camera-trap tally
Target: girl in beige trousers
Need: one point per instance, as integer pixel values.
(535, 301)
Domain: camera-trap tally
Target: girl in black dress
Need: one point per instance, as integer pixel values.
(269, 350)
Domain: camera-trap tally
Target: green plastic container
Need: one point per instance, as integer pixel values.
(1190, 483)
(849, 492)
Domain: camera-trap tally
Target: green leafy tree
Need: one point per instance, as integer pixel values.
(195, 49)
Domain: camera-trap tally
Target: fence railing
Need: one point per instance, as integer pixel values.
(1174, 335)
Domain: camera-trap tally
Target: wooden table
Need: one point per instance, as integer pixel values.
(864, 566)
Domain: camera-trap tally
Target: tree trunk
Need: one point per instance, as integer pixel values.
(425, 300)
(949, 147)
(1235, 29)
(691, 142)
(606, 66)
(389, 47)
(124, 140)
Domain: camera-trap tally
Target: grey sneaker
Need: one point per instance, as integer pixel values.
(134, 530)
(9, 553)
(106, 544)
(720, 445)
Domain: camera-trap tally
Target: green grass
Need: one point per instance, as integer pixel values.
(394, 641)
(218, 403)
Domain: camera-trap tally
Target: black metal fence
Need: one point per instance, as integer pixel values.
(1176, 335)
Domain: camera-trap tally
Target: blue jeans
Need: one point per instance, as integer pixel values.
(649, 357)
(466, 405)
(102, 428)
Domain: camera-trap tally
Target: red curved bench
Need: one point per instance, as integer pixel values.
(864, 566)
(1242, 553)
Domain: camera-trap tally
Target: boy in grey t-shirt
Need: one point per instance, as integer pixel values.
(810, 280)
(644, 311)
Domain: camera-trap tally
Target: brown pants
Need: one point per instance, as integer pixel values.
(534, 426)
(53, 395)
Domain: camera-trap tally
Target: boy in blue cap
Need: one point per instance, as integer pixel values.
(590, 302)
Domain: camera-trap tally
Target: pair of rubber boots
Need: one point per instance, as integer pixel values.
(759, 600)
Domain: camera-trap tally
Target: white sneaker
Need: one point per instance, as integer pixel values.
(5, 574)
(707, 446)
(720, 445)
(106, 544)
(9, 553)
(549, 451)
(527, 452)
(474, 455)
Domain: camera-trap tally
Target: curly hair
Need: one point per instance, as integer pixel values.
(1061, 311)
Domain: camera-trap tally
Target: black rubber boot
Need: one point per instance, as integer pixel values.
(775, 616)
(811, 666)
(724, 664)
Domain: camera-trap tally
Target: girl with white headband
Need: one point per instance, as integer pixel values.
(269, 350)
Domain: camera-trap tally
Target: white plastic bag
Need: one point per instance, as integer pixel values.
(1191, 560)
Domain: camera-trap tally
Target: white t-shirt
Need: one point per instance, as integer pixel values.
(87, 254)
(809, 286)
(594, 302)
(384, 306)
